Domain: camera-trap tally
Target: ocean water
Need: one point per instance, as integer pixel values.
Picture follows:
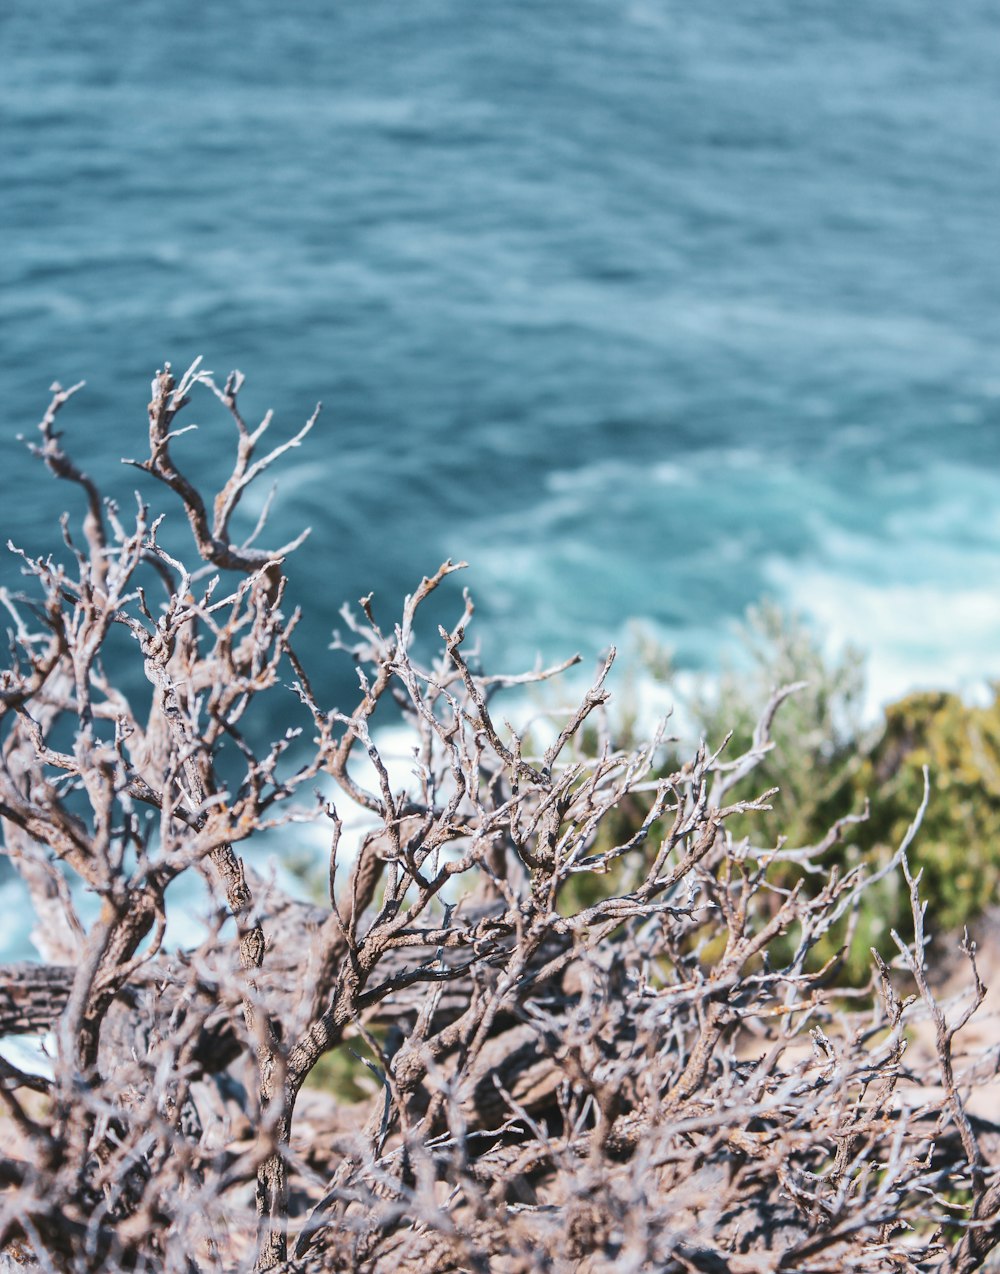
(646, 310)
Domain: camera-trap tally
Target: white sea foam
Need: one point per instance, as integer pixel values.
(15, 907)
(917, 635)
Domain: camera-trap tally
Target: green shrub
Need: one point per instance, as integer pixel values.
(827, 764)
(958, 847)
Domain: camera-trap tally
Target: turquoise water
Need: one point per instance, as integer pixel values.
(645, 309)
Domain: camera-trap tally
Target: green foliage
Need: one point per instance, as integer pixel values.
(827, 764)
(817, 733)
(958, 847)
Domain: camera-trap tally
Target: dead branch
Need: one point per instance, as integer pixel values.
(596, 1031)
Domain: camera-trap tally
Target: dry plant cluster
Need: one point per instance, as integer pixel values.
(589, 1050)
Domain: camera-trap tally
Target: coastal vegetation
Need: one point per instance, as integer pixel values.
(615, 1004)
(833, 764)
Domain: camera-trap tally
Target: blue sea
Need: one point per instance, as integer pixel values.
(647, 310)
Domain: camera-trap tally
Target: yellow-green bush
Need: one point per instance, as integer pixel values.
(827, 763)
(958, 846)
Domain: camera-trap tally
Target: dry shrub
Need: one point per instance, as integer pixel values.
(644, 1081)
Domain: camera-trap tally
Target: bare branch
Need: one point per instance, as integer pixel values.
(593, 1025)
